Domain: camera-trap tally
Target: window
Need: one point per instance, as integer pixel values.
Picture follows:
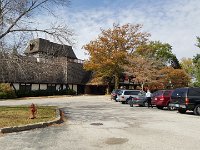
(131, 92)
(179, 92)
(194, 92)
(25, 87)
(166, 93)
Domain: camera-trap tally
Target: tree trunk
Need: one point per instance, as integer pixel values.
(108, 88)
(116, 81)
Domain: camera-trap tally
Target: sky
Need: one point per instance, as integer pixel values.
(169, 21)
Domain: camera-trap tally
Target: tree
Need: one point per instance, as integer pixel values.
(159, 51)
(196, 61)
(198, 42)
(173, 78)
(144, 69)
(189, 67)
(17, 21)
(108, 53)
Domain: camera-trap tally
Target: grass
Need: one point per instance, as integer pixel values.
(19, 115)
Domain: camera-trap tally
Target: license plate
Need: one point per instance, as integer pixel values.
(182, 106)
(174, 105)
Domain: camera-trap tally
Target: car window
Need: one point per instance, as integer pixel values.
(120, 92)
(142, 93)
(157, 93)
(166, 93)
(131, 92)
(194, 92)
(179, 92)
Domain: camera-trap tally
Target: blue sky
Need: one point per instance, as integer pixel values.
(170, 21)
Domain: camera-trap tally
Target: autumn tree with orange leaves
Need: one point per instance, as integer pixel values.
(173, 78)
(144, 69)
(108, 53)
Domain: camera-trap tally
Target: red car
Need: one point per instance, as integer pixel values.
(161, 98)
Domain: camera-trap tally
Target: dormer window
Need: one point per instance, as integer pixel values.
(31, 46)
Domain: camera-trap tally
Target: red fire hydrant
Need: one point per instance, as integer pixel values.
(33, 111)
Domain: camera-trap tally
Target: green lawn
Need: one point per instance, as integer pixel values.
(19, 115)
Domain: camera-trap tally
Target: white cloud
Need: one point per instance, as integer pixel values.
(175, 22)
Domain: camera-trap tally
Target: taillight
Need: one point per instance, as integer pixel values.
(162, 99)
(187, 101)
(123, 97)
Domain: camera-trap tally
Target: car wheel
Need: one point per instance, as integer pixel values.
(123, 102)
(159, 107)
(197, 110)
(182, 111)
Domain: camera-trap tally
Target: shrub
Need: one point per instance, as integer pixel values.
(6, 91)
(35, 93)
(71, 92)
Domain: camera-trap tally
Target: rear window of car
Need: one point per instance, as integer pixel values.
(179, 92)
(131, 92)
(157, 93)
(194, 92)
(167, 93)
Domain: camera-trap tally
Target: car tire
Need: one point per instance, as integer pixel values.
(123, 102)
(182, 110)
(197, 110)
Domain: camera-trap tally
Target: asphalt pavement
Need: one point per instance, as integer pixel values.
(97, 123)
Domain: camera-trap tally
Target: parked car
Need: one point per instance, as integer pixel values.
(186, 98)
(124, 95)
(139, 99)
(114, 94)
(161, 98)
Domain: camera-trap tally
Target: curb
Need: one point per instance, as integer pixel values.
(58, 120)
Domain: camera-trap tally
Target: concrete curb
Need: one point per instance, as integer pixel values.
(58, 120)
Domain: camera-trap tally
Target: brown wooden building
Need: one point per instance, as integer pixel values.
(45, 66)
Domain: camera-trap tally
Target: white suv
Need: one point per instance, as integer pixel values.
(124, 94)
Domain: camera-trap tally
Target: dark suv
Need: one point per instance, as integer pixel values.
(186, 99)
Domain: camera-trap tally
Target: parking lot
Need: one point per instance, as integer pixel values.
(96, 122)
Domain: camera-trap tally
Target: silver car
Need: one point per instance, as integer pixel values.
(125, 96)
(139, 99)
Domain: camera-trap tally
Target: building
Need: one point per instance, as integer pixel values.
(52, 67)
(45, 66)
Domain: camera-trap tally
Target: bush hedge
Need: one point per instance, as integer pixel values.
(6, 91)
(36, 93)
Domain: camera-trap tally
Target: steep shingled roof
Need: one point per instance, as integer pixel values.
(49, 48)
